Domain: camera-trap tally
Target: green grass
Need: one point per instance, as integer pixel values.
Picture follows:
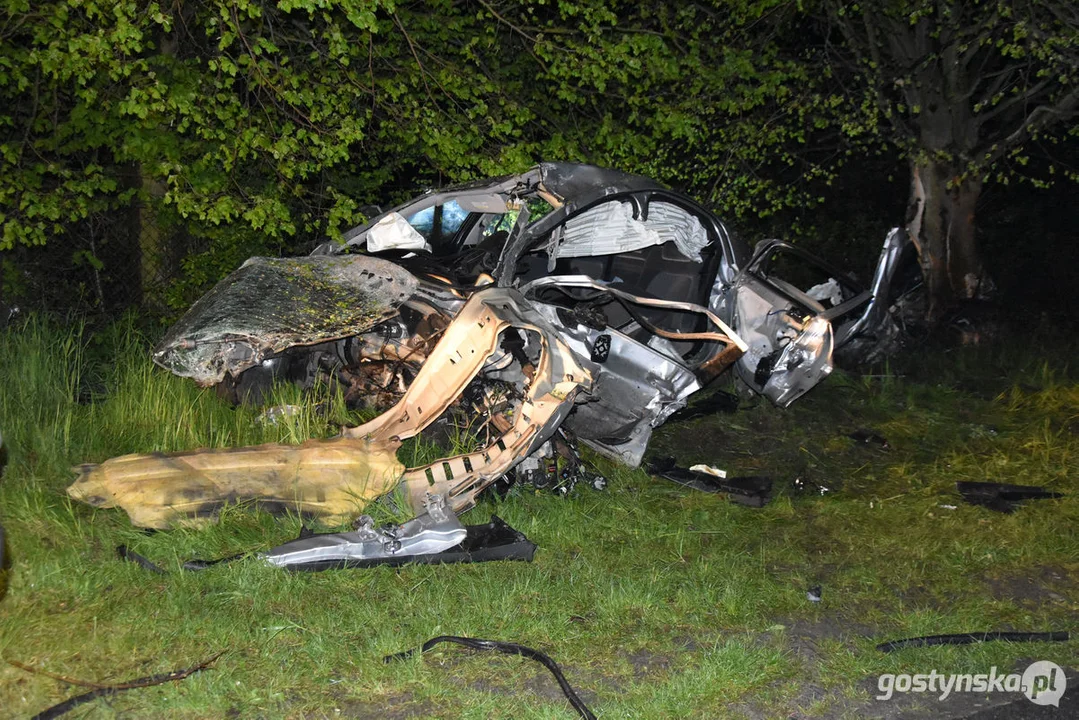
(657, 602)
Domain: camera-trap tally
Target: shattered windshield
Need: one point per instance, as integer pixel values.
(439, 224)
(537, 209)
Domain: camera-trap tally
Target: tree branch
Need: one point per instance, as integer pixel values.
(1039, 118)
(1005, 105)
(512, 26)
(1000, 79)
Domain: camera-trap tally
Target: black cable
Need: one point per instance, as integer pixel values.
(509, 649)
(970, 638)
(124, 553)
(71, 703)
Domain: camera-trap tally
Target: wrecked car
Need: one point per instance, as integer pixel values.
(568, 303)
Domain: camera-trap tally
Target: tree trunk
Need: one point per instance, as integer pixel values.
(153, 244)
(150, 246)
(941, 224)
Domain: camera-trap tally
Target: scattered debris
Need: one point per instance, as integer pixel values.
(277, 413)
(805, 485)
(813, 594)
(125, 553)
(971, 638)
(708, 470)
(556, 467)
(977, 430)
(754, 491)
(868, 437)
(435, 537)
(101, 690)
(1001, 497)
(491, 541)
(433, 531)
(509, 649)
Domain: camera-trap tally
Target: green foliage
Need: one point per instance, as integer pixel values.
(284, 118)
(709, 98)
(277, 118)
(968, 85)
(262, 125)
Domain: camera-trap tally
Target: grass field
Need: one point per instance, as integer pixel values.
(657, 601)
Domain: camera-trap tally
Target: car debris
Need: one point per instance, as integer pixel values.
(431, 532)
(509, 649)
(567, 297)
(125, 553)
(435, 537)
(751, 490)
(492, 541)
(708, 470)
(1002, 497)
(805, 485)
(278, 413)
(971, 638)
(331, 479)
(869, 438)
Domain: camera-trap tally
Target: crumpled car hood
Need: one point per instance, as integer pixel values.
(270, 304)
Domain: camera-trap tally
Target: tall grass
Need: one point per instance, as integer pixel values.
(40, 372)
(659, 602)
(69, 398)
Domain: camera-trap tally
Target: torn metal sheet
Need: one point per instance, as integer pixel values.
(271, 304)
(425, 540)
(492, 541)
(675, 225)
(433, 531)
(877, 333)
(637, 386)
(466, 346)
(789, 348)
(329, 479)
